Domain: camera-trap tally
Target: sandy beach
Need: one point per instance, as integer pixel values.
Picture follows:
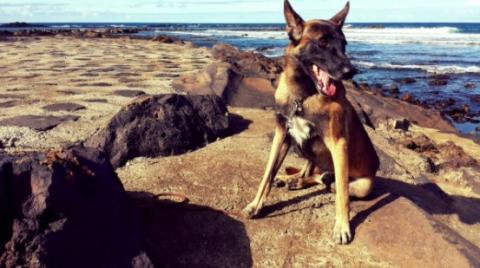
(97, 74)
(397, 226)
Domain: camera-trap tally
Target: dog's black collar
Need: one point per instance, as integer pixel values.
(296, 107)
(288, 112)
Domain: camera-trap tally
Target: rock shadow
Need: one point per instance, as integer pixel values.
(237, 124)
(186, 235)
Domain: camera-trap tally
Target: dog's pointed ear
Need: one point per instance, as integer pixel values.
(295, 23)
(339, 18)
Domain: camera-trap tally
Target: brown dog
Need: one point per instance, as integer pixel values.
(314, 115)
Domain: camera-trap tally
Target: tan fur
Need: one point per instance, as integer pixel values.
(341, 145)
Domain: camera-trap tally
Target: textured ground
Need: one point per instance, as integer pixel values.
(35, 73)
(406, 222)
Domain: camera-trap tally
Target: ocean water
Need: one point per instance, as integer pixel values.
(384, 53)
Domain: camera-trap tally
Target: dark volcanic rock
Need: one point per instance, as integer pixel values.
(454, 156)
(162, 125)
(67, 106)
(8, 104)
(376, 109)
(166, 39)
(128, 93)
(439, 80)
(408, 97)
(4, 33)
(97, 100)
(475, 98)
(20, 25)
(394, 89)
(406, 80)
(470, 85)
(66, 208)
(38, 122)
(402, 124)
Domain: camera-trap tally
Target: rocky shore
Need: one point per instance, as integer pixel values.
(88, 125)
(23, 30)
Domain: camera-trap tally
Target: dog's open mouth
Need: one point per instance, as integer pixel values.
(323, 81)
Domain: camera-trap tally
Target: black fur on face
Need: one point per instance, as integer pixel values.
(324, 46)
(320, 42)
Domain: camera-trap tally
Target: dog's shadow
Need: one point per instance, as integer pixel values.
(428, 196)
(431, 198)
(186, 235)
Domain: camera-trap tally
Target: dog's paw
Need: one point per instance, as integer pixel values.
(341, 232)
(295, 184)
(278, 183)
(250, 211)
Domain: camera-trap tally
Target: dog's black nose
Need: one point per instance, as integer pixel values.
(348, 72)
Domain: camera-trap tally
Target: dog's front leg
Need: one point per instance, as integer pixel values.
(341, 231)
(279, 150)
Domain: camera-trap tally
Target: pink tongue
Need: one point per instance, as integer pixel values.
(330, 89)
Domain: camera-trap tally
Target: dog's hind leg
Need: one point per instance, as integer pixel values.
(280, 146)
(294, 174)
(360, 187)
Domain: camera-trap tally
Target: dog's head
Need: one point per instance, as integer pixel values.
(319, 47)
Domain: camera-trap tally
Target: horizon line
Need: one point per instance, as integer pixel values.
(19, 21)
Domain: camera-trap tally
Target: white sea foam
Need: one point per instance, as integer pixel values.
(428, 68)
(442, 36)
(67, 26)
(231, 33)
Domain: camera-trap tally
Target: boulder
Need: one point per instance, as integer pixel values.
(377, 109)
(213, 80)
(247, 63)
(244, 79)
(66, 208)
(254, 92)
(162, 125)
(248, 79)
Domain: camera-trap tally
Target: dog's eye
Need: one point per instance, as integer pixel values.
(322, 41)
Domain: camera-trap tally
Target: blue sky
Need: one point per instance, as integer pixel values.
(235, 10)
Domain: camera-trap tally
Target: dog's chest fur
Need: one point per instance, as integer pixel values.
(299, 129)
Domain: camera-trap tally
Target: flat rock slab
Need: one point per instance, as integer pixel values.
(403, 234)
(66, 106)
(37, 122)
(97, 100)
(7, 104)
(128, 93)
(12, 96)
(68, 92)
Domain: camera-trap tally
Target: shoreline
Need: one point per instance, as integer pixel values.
(462, 116)
(125, 36)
